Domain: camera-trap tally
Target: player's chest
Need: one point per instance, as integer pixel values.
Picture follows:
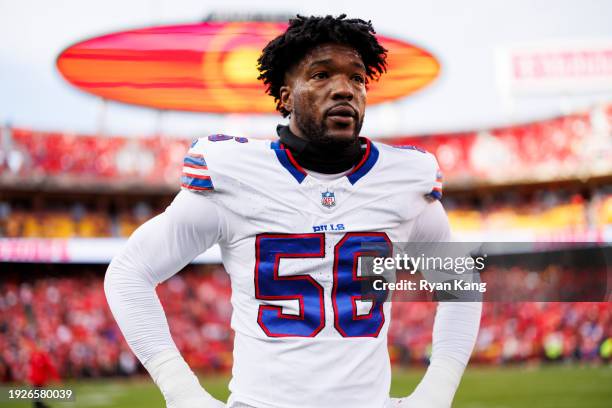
(333, 207)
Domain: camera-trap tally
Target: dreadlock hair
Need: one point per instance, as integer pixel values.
(304, 34)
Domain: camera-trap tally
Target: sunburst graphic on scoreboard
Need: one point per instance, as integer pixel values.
(211, 67)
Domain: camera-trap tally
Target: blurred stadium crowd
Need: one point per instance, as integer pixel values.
(544, 210)
(556, 149)
(72, 221)
(62, 311)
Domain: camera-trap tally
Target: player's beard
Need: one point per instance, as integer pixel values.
(318, 132)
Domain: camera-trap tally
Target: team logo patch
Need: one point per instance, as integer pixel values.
(328, 199)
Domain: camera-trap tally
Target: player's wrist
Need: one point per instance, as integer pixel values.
(178, 384)
(440, 382)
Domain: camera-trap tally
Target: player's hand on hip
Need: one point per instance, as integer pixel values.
(177, 383)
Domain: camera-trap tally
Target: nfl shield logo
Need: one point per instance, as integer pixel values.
(328, 199)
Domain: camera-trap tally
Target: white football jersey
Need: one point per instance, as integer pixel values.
(304, 335)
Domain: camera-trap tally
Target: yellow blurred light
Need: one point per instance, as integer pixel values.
(240, 66)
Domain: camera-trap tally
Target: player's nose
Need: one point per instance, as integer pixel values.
(342, 88)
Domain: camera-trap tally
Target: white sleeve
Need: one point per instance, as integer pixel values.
(431, 225)
(157, 250)
(455, 327)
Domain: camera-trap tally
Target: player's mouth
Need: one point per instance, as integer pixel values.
(342, 115)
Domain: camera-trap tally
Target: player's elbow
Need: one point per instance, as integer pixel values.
(112, 281)
(123, 277)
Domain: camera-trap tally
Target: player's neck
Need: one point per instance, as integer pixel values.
(327, 159)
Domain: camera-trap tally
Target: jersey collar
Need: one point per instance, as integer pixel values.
(362, 168)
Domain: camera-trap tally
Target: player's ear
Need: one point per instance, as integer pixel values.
(286, 99)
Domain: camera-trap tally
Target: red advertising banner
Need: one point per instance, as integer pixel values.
(557, 68)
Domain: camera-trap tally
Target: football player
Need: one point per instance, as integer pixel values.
(291, 217)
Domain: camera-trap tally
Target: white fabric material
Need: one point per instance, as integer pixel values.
(278, 372)
(157, 250)
(178, 384)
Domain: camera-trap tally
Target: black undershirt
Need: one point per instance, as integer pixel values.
(327, 159)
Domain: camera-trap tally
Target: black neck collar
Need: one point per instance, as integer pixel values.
(327, 159)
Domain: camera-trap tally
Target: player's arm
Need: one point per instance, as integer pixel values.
(455, 328)
(156, 251)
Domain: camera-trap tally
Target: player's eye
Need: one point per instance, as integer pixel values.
(359, 78)
(320, 75)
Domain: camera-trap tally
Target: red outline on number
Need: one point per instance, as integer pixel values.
(354, 300)
(355, 277)
(300, 298)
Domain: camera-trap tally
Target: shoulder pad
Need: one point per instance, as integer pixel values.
(430, 170)
(436, 177)
(196, 175)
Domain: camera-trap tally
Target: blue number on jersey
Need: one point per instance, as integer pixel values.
(347, 286)
(269, 250)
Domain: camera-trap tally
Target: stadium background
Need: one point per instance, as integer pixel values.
(524, 160)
